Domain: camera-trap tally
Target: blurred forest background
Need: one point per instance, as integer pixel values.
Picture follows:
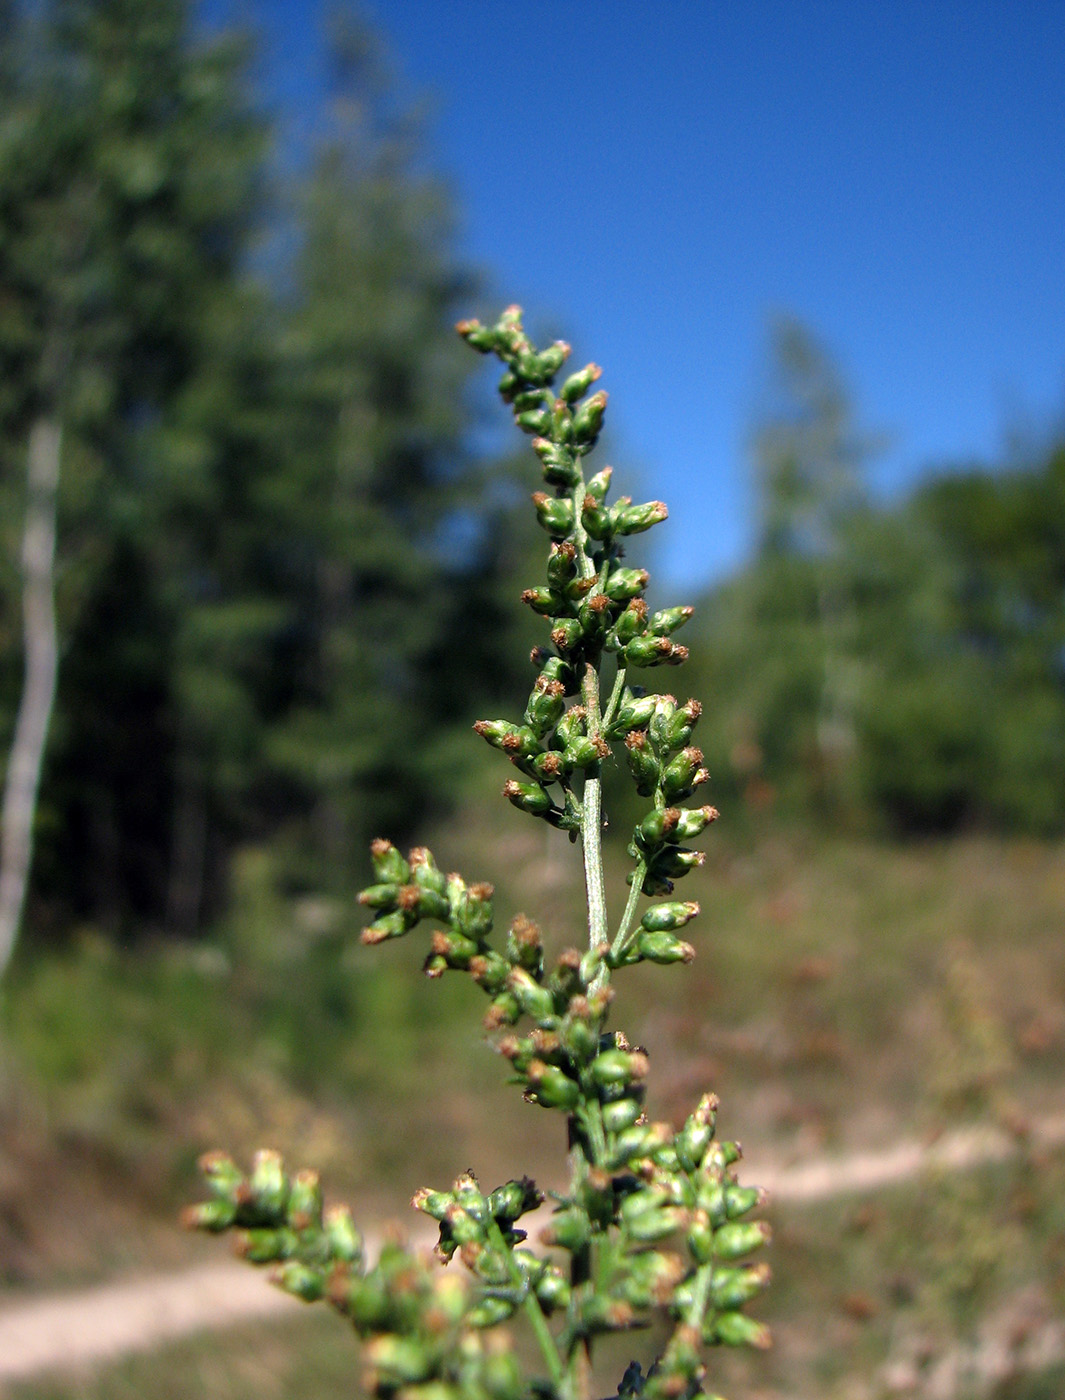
(286, 578)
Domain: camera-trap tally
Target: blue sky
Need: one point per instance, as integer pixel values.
(654, 180)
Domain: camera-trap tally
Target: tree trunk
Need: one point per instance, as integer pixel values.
(38, 691)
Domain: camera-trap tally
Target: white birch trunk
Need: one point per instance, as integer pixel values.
(38, 691)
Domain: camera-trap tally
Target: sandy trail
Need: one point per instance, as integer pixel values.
(95, 1325)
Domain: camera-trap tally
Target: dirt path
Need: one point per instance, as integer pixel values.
(96, 1325)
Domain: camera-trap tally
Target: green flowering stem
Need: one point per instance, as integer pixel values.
(592, 820)
(622, 938)
(532, 1309)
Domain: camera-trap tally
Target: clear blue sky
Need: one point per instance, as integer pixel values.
(654, 179)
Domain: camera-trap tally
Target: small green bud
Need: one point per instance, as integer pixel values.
(554, 357)
(569, 1229)
(662, 918)
(657, 826)
(534, 420)
(630, 624)
(552, 1290)
(488, 1313)
(511, 1201)
(562, 564)
(619, 1067)
(389, 866)
(636, 710)
(682, 774)
(655, 1225)
(738, 1238)
(561, 428)
(478, 337)
(387, 926)
(676, 862)
(631, 520)
(268, 1187)
(305, 1201)
(263, 1246)
(697, 1133)
(396, 1361)
(553, 513)
(567, 634)
(663, 948)
(301, 1280)
(731, 1288)
(648, 651)
(224, 1177)
(424, 871)
(216, 1215)
(642, 763)
(622, 585)
(597, 519)
(496, 731)
(620, 1115)
(546, 706)
(599, 485)
(343, 1235)
(663, 623)
(529, 398)
(584, 752)
(534, 1000)
(528, 797)
(693, 821)
(552, 1088)
(588, 420)
(559, 467)
(734, 1329)
(577, 385)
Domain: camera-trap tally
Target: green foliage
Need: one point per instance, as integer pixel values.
(635, 1187)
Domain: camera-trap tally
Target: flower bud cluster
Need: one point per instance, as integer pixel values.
(480, 1229)
(420, 1327)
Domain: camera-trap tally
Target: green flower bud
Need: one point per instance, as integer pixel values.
(623, 585)
(562, 563)
(525, 946)
(488, 1313)
(471, 908)
(668, 917)
(552, 1290)
(731, 1288)
(529, 398)
(657, 827)
(620, 1115)
(682, 774)
(636, 710)
(577, 385)
(630, 624)
(559, 467)
(224, 1177)
(585, 753)
(534, 420)
(597, 519)
(551, 1088)
(733, 1329)
(663, 623)
(652, 1277)
(693, 821)
(264, 1246)
(534, 1000)
(554, 357)
(342, 1235)
(546, 602)
(512, 1200)
(569, 1229)
(588, 420)
(618, 1067)
(305, 1201)
(631, 520)
(638, 1142)
(561, 429)
(546, 706)
(424, 871)
(216, 1215)
(676, 861)
(528, 797)
(697, 1133)
(478, 337)
(553, 513)
(648, 651)
(389, 866)
(301, 1280)
(655, 1225)
(663, 948)
(738, 1238)
(394, 1361)
(433, 1203)
(267, 1187)
(387, 926)
(642, 763)
(567, 634)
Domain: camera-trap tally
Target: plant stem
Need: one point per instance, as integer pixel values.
(533, 1311)
(592, 820)
(620, 938)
